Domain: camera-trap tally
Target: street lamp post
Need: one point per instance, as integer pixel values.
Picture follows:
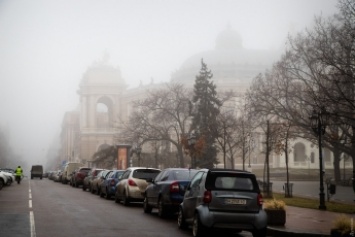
(319, 122)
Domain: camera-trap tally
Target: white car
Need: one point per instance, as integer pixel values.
(133, 183)
(3, 180)
(10, 177)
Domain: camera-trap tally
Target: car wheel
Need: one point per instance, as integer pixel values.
(117, 200)
(102, 194)
(84, 188)
(125, 199)
(260, 233)
(146, 207)
(181, 220)
(108, 196)
(98, 190)
(1, 183)
(92, 190)
(161, 208)
(198, 229)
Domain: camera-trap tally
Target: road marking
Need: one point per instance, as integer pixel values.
(32, 223)
(32, 219)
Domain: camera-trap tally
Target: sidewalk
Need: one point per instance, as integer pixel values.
(305, 222)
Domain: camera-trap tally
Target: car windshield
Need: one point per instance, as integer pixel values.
(145, 173)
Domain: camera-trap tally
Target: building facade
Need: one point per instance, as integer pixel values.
(105, 102)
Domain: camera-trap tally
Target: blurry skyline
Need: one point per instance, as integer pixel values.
(47, 45)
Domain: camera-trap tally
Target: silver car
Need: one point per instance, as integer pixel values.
(223, 199)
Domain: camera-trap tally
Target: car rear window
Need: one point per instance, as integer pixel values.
(85, 170)
(231, 181)
(145, 173)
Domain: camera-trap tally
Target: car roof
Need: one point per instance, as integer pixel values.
(229, 170)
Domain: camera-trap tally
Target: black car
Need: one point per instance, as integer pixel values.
(223, 199)
(167, 190)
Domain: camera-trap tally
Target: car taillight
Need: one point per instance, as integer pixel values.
(112, 183)
(131, 183)
(207, 196)
(174, 187)
(260, 199)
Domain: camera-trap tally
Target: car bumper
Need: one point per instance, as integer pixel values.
(230, 220)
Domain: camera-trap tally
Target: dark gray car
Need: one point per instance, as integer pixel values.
(229, 200)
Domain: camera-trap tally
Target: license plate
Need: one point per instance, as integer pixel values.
(235, 201)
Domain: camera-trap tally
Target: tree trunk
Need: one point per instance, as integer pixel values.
(336, 164)
(181, 156)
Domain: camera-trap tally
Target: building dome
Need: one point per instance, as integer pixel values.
(231, 64)
(229, 40)
(101, 73)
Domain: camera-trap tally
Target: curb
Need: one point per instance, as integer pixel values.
(279, 232)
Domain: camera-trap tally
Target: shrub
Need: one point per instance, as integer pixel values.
(275, 204)
(342, 224)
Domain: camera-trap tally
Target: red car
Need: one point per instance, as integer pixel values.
(79, 176)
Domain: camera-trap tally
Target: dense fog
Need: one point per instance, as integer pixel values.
(47, 45)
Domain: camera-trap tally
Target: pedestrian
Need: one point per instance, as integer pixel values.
(18, 173)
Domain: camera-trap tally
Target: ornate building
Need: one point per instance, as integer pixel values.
(105, 100)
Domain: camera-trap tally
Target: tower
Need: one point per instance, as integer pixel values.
(100, 93)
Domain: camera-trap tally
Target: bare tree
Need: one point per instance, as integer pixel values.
(162, 116)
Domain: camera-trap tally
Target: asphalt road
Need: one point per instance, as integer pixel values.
(43, 208)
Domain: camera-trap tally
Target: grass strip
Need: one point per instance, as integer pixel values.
(314, 203)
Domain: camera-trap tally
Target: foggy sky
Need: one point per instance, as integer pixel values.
(47, 45)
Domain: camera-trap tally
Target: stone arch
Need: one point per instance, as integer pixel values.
(104, 112)
(312, 157)
(326, 155)
(299, 152)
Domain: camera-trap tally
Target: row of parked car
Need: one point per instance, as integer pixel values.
(7, 177)
(204, 199)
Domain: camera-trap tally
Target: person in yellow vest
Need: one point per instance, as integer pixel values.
(18, 173)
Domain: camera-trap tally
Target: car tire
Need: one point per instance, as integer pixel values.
(125, 199)
(84, 188)
(108, 196)
(181, 220)
(146, 207)
(198, 230)
(1, 183)
(98, 192)
(161, 208)
(260, 233)
(117, 200)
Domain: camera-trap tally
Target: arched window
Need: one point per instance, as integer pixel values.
(326, 155)
(299, 153)
(312, 157)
